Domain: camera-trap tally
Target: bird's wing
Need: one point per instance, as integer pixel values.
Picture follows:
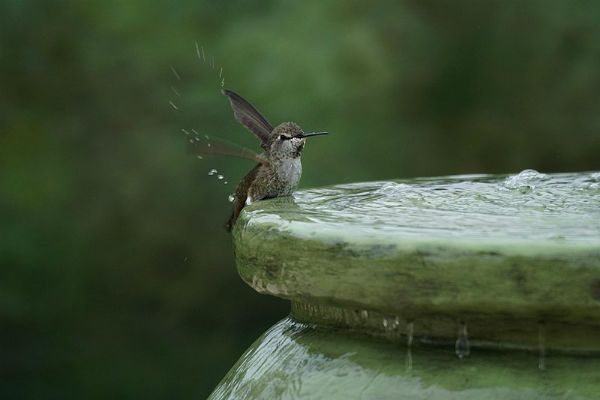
(241, 193)
(200, 145)
(249, 116)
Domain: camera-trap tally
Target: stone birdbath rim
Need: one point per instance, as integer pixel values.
(505, 255)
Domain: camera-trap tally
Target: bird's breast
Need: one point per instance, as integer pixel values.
(289, 171)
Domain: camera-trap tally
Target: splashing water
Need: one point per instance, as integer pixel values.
(209, 61)
(231, 198)
(175, 73)
(561, 207)
(203, 58)
(525, 180)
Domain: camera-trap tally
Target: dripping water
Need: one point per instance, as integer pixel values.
(410, 326)
(364, 316)
(541, 347)
(462, 347)
(390, 327)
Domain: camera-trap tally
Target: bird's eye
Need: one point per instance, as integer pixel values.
(282, 137)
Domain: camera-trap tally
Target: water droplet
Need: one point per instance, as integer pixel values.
(212, 172)
(231, 198)
(175, 73)
(199, 157)
(208, 145)
(185, 131)
(462, 347)
(542, 347)
(192, 141)
(198, 51)
(364, 316)
(220, 177)
(225, 182)
(390, 327)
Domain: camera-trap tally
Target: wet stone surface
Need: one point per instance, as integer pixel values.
(297, 361)
(500, 254)
(464, 287)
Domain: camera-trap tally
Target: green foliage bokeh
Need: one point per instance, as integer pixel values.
(117, 279)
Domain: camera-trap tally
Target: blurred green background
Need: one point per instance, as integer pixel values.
(117, 279)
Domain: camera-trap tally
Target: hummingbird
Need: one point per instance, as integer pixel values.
(278, 169)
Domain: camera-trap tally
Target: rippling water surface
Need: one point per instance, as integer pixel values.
(528, 205)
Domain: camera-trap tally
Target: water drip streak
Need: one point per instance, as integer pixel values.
(542, 346)
(410, 326)
(462, 347)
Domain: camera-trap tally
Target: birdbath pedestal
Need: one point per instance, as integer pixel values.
(461, 287)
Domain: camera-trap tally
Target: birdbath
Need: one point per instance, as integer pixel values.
(460, 287)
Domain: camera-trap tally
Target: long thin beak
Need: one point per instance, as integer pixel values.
(314, 134)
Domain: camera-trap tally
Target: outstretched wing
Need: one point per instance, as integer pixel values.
(204, 145)
(249, 116)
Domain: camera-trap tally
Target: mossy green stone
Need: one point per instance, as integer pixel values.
(481, 262)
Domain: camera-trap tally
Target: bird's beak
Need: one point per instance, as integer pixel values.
(304, 135)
